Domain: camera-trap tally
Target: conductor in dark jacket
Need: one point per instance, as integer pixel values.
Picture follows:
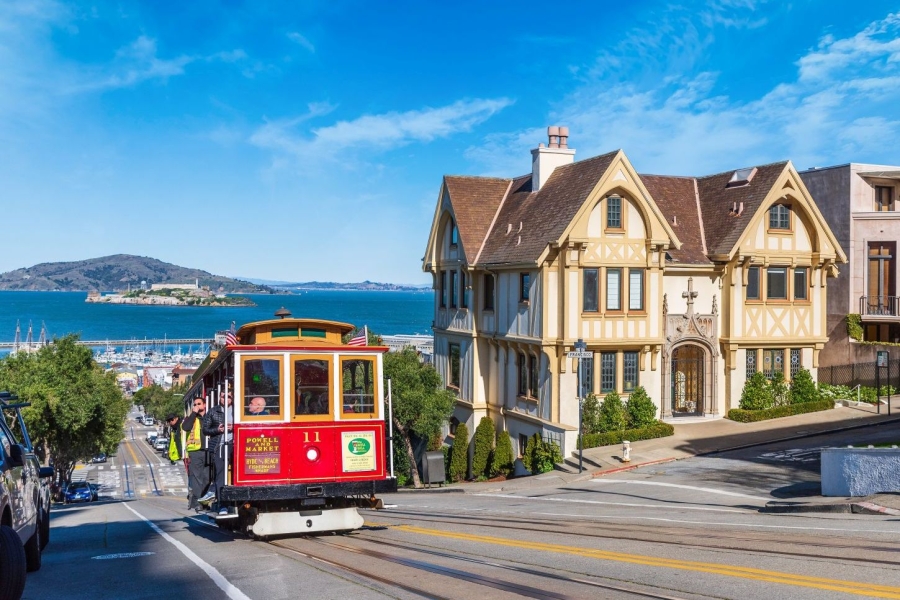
(219, 439)
(195, 446)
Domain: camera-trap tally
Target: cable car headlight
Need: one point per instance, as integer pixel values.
(312, 454)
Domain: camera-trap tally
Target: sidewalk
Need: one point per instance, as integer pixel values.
(695, 437)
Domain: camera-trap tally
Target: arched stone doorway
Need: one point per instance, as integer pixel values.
(688, 380)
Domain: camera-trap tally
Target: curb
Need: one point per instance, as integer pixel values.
(868, 508)
(630, 467)
(809, 507)
(431, 490)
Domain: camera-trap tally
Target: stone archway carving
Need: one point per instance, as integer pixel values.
(692, 329)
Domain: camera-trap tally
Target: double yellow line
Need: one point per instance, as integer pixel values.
(837, 585)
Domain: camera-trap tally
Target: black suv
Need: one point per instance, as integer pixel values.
(24, 501)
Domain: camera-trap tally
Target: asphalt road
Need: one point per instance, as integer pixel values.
(689, 529)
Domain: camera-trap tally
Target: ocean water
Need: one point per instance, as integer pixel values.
(385, 313)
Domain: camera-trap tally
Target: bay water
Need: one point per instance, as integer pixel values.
(386, 313)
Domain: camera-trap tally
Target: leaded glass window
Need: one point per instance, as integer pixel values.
(607, 372)
(780, 217)
(586, 377)
(590, 295)
(751, 362)
(629, 371)
(614, 212)
(795, 361)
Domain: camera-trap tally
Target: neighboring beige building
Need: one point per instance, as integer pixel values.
(681, 285)
(860, 203)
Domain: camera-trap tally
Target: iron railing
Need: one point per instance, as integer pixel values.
(879, 306)
(861, 374)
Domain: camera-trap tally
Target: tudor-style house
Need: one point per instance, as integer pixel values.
(682, 285)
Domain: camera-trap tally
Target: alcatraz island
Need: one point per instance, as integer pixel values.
(171, 294)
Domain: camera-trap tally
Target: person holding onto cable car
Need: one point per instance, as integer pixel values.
(176, 443)
(219, 442)
(196, 460)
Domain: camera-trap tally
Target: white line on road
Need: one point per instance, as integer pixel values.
(226, 586)
(573, 501)
(681, 486)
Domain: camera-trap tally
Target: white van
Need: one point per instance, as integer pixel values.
(148, 420)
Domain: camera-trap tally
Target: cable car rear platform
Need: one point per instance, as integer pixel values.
(302, 491)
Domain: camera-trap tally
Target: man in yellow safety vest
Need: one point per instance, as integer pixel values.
(176, 438)
(195, 447)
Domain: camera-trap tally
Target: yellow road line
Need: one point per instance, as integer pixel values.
(850, 587)
(131, 451)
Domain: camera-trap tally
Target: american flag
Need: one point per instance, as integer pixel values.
(361, 338)
(230, 338)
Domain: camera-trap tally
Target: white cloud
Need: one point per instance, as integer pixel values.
(300, 39)
(669, 117)
(384, 131)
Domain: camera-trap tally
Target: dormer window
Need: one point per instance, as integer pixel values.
(741, 177)
(454, 234)
(780, 217)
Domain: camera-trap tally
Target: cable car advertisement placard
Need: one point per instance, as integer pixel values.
(262, 454)
(358, 451)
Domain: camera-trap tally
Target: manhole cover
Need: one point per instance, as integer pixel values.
(121, 555)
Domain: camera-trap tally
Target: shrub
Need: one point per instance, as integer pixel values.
(612, 413)
(402, 467)
(657, 430)
(590, 414)
(502, 459)
(854, 327)
(803, 389)
(781, 393)
(867, 394)
(541, 456)
(459, 454)
(750, 416)
(757, 395)
(640, 408)
(484, 445)
(887, 390)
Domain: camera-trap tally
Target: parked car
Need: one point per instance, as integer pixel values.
(24, 497)
(148, 420)
(78, 491)
(151, 437)
(95, 491)
(161, 443)
(100, 458)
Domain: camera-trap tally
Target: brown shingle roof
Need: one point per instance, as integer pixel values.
(716, 200)
(475, 201)
(543, 215)
(677, 197)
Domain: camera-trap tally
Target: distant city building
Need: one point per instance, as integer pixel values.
(685, 286)
(176, 286)
(860, 203)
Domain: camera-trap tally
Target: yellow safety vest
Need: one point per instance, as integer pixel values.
(194, 441)
(173, 448)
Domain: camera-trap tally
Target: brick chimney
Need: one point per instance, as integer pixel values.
(556, 154)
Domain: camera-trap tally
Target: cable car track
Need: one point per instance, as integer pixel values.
(131, 475)
(659, 538)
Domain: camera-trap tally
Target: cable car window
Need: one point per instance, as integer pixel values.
(311, 387)
(358, 377)
(262, 387)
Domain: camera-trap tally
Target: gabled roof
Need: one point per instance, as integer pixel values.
(543, 215)
(723, 229)
(677, 197)
(475, 201)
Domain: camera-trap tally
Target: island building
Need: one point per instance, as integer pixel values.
(683, 285)
(860, 203)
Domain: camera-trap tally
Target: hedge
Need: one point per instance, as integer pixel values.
(611, 438)
(751, 416)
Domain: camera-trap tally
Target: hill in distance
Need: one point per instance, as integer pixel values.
(118, 272)
(330, 285)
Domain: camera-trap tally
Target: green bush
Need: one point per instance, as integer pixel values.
(590, 414)
(502, 459)
(484, 445)
(402, 467)
(612, 413)
(854, 327)
(640, 408)
(867, 394)
(887, 390)
(657, 430)
(459, 454)
(757, 395)
(541, 456)
(781, 393)
(750, 416)
(803, 389)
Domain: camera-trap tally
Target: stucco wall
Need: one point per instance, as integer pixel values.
(860, 471)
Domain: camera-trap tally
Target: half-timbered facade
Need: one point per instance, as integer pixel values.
(681, 285)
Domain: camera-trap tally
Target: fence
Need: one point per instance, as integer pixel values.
(861, 374)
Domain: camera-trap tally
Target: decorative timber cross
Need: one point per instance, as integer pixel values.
(690, 295)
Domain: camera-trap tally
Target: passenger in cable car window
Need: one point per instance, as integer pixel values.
(351, 400)
(257, 407)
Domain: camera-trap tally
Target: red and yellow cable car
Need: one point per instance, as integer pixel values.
(309, 426)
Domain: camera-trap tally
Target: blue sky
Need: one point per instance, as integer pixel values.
(306, 140)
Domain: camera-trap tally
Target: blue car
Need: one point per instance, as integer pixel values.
(78, 491)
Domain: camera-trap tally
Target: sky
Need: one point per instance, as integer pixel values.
(306, 140)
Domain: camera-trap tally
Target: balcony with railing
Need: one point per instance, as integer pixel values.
(882, 307)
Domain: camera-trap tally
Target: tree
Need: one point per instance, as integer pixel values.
(803, 389)
(459, 454)
(641, 410)
(756, 394)
(420, 402)
(612, 413)
(484, 445)
(502, 460)
(76, 409)
(159, 402)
